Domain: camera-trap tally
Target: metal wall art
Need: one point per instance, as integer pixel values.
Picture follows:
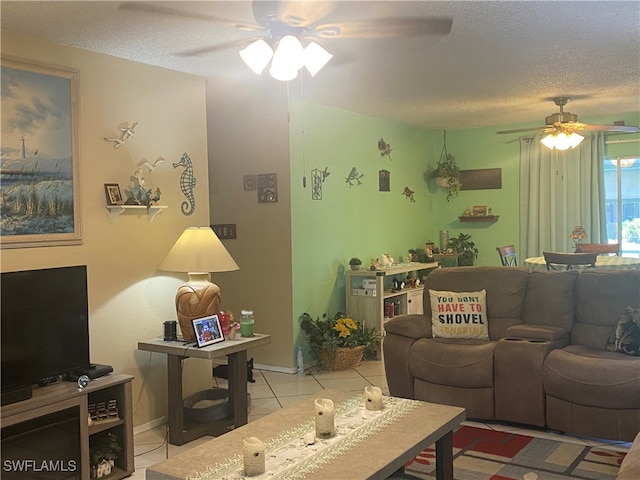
(384, 181)
(354, 178)
(385, 149)
(407, 192)
(317, 179)
(267, 188)
(126, 131)
(39, 188)
(187, 184)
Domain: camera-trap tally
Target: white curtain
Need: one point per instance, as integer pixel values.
(559, 190)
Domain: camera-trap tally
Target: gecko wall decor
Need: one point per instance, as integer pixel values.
(187, 184)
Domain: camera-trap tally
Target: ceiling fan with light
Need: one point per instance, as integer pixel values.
(561, 128)
(282, 26)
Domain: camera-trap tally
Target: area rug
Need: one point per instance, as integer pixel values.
(483, 454)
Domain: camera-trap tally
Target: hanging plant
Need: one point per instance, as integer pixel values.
(446, 172)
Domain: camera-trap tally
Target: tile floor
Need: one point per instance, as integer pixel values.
(273, 391)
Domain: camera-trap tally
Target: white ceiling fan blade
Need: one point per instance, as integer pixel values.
(386, 28)
(521, 130)
(194, 52)
(612, 128)
(154, 7)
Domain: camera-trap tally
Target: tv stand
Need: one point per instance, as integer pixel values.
(65, 396)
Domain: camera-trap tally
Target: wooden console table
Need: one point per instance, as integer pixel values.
(64, 396)
(181, 432)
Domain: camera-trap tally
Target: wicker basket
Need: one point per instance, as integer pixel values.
(341, 358)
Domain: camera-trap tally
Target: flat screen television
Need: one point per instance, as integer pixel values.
(45, 326)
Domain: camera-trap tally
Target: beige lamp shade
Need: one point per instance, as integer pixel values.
(197, 252)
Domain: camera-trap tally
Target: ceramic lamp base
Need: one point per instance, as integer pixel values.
(196, 299)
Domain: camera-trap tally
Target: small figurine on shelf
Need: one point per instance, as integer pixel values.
(387, 260)
(397, 285)
(375, 264)
(467, 212)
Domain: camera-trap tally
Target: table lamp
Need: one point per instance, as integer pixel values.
(578, 234)
(197, 252)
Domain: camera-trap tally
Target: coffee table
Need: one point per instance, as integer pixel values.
(390, 439)
(181, 432)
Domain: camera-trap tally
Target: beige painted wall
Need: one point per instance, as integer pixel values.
(128, 298)
(249, 135)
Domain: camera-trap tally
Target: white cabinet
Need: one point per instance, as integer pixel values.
(372, 299)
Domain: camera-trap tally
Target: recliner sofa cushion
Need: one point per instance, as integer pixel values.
(600, 299)
(549, 299)
(506, 289)
(594, 378)
(463, 363)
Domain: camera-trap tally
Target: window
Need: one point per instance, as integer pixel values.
(622, 202)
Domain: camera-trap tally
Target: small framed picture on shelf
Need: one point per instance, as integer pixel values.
(112, 191)
(480, 210)
(207, 330)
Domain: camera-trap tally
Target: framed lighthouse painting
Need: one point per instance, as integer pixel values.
(39, 179)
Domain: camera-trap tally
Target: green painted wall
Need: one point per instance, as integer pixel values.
(364, 222)
(354, 220)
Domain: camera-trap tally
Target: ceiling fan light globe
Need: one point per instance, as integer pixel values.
(289, 50)
(575, 139)
(549, 141)
(282, 71)
(315, 57)
(562, 141)
(257, 55)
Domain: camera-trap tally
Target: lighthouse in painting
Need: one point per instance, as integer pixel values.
(23, 150)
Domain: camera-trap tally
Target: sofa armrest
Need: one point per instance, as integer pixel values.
(538, 332)
(630, 467)
(410, 326)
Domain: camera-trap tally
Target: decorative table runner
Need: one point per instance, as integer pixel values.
(289, 457)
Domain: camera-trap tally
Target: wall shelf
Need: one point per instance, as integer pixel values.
(116, 210)
(480, 218)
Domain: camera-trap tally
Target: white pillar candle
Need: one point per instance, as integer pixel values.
(253, 456)
(325, 418)
(373, 398)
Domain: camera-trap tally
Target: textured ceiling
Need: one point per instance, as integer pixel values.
(501, 63)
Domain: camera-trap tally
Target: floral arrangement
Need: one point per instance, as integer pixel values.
(341, 331)
(229, 326)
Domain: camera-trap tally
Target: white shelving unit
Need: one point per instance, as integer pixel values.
(116, 210)
(368, 292)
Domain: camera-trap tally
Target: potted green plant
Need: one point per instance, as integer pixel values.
(103, 452)
(355, 263)
(463, 245)
(339, 342)
(447, 175)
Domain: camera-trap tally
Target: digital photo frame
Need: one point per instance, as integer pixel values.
(207, 330)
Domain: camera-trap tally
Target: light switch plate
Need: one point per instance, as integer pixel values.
(225, 231)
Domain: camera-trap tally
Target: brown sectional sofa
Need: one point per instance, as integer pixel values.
(545, 362)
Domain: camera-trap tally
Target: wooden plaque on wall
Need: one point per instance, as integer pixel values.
(483, 179)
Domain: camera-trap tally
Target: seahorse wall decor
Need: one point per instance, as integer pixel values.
(187, 184)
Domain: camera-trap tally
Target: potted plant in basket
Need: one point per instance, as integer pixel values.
(339, 342)
(355, 263)
(462, 244)
(447, 175)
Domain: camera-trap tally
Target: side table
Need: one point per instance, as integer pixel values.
(181, 432)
